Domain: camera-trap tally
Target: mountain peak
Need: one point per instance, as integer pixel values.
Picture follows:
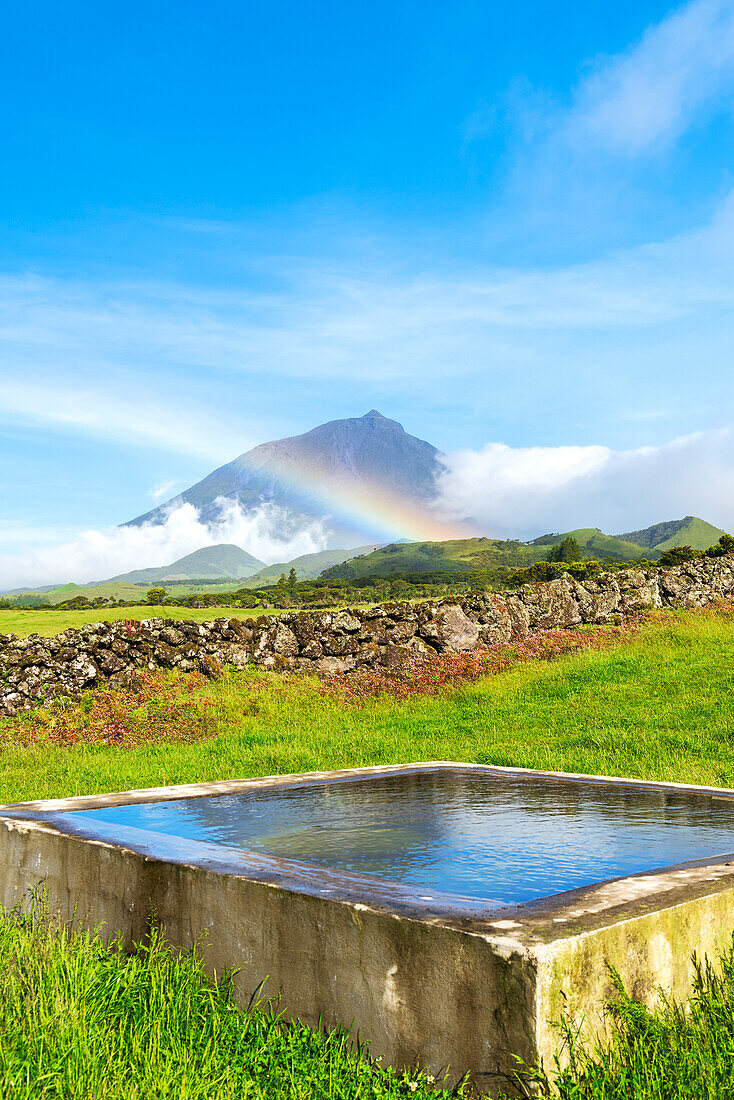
(370, 460)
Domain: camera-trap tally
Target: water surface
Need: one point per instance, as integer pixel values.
(503, 839)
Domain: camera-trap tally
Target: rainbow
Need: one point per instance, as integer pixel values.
(367, 504)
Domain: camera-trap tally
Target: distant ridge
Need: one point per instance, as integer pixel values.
(308, 566)
(227, 562)
(465, 555)
(221, 560)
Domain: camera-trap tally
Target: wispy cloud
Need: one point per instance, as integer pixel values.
(122, 348)
(649, 95)
(163, 490)
(96, 408)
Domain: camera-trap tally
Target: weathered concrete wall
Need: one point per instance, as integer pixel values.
(436, 987)
(33, 669)
(414, 990)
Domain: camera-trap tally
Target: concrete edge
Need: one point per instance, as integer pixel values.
(232, 786)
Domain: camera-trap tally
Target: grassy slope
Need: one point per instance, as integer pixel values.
(461, 555)
(125, 590)
(116, 590)
(659, 707)
(307, 566)
(457, 555)
(698, 534)
(595, 544)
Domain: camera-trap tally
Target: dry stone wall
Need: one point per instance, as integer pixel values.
(34, 669)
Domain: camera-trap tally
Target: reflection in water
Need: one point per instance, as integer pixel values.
(495, 837)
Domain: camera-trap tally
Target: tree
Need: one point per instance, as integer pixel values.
(292, 579)
(78, 603)
(156, 595)
(566, 551)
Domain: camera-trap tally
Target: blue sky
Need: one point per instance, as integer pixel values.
(510, 227)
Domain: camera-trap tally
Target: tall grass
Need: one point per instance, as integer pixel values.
(81, 1020)
(677, 1052)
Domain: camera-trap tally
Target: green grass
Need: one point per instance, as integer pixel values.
(79, 1021)
(111, 590)
(83, 1021)
(48, 623)
(675, 1052)
(659, 707)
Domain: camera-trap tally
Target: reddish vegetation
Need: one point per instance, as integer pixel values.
(159, 707)
(431, 675)
(152, 708)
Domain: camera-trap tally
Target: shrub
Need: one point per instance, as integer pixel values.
(678, 555)
(725, 545)
(566, 551)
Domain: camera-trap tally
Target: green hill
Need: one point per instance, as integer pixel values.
(689, 531)
(455, 556)
(468, 555)
(593, 543)
(110, 590)
(222, 560)
(308, 566)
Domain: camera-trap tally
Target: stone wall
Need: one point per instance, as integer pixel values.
(35, 669)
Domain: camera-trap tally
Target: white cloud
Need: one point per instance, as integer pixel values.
(523, 492)
(163, 490)
(269, 533)
(652, 93)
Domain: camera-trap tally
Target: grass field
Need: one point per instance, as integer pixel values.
(48, 623)
(659, 706)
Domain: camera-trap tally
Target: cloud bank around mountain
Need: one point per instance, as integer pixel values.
(525, 491)
(267, 532)
(505, 492)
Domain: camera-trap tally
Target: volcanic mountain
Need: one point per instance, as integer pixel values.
(365, 478)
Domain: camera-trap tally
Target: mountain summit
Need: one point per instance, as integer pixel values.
(360, 475)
